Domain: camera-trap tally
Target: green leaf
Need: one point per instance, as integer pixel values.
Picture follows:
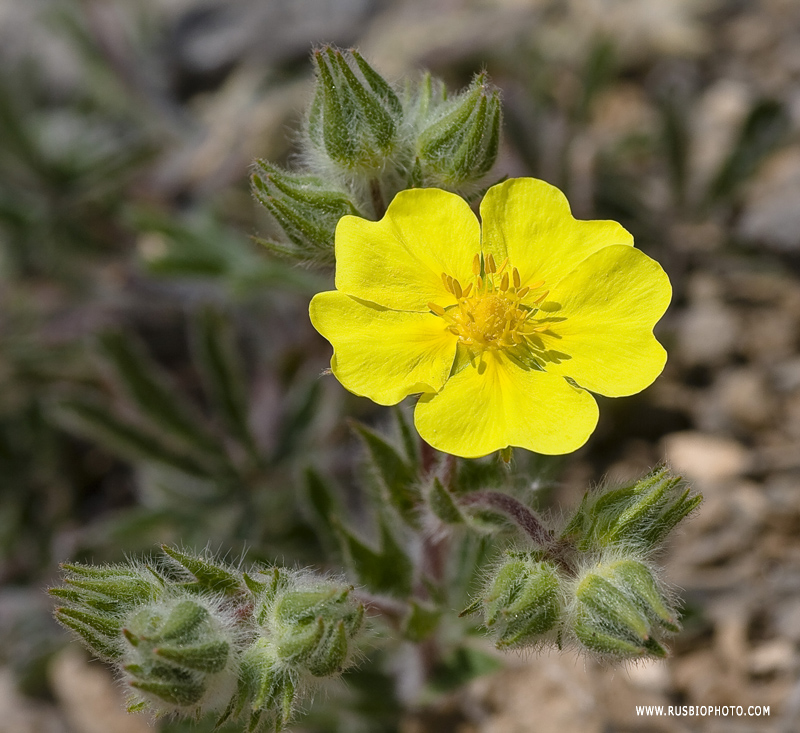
(130, 441)
(387, 570)
(323, 506)
(443, 505)
(153, 396)
(222, 372)
(397, 477)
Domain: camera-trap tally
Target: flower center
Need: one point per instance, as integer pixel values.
(493, 311)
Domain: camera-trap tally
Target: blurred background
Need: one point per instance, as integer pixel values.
(140, 326)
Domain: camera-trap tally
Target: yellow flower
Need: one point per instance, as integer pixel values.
(504, 332)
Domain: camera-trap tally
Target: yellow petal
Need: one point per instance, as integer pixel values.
(383, 354)
(398, 261)
(496, 403)
(610, 304)
(529, 221)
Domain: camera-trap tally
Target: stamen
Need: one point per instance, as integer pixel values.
(437, 309)
(541, 297)
(503, 266)
(523, 292)
(446, 281)
(537, 284)
(457, 289)
(476, 264)
(517, 279)
(479, 281)
(467, 291)
(490, 265)
(504, 281)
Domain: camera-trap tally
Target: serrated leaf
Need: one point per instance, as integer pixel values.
(397, 478)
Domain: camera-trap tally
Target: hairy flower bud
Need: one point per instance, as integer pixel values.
(620, 610)
(355, 116)
(313, 625)
(522, 602)
(638, 515)
(459, 146)
(305, 208)
(179, 651)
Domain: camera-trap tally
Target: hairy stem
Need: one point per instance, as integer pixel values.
(524, 517)
(378, 203)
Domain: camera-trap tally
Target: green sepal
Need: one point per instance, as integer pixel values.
(460, 147)
(183, 621)
(209, 657)
(211, 576)
(181, 693)
(613, 607)
(331, 652)
(634, 577)
(103, 646)
(297, 645)
(105, 625)
(598, 640)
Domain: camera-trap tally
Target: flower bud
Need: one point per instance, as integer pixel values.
(522, 602)
(355, 115)
(460, 146)
(99, 598)
(639, 515)
(177, 649)
(313, 627)
(620, 610)
(305, 208)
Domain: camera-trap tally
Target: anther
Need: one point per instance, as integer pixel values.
(446, 281)
(476, 264)
(457, 289)
(542, 297)
(437, 309)
(490, 266)
(523, 292)
(503, 266)
(467, 290)
(517, 279)
(504, 281)
(537, 284)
